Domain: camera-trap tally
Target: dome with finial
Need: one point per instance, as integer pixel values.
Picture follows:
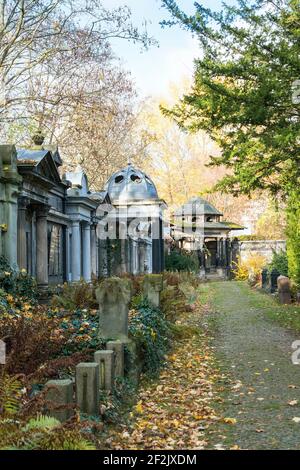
(129, 185)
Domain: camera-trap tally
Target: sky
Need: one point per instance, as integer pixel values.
(154, 70)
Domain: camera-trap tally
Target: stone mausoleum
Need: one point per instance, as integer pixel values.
(197, 226)
(54, 227)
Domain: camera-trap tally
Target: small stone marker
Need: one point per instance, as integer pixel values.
(118, 348)
(152, 286)
(284, 290)
(106, 361)
(60, 393)
(114, 295)
(274, 276)
(87, 387)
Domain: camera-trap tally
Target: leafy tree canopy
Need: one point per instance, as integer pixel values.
(246, 90)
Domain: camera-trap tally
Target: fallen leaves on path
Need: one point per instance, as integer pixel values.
(176, 411)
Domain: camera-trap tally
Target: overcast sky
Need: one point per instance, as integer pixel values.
(154, 69)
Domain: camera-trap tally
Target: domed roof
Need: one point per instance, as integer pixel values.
(129, 185)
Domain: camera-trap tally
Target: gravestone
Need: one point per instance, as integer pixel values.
(87, 387)
(118, 348)
(106, 361)
(152, 288)
(264, 278)
(59, 393)
(114, 295)
(273, 278)
(284, 290)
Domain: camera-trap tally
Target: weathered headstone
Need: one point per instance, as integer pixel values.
(106, 361)
(118, 348)
(152, 287)
(87, 387)
(114, 295)
(264, 278)
(273, 277)
(59, 393)
(284, 290)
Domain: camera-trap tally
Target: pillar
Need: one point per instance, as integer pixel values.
(60, 393)
(11, 235)
(76, 252)
(119, 354)
(86, 253)
(106, 361)
(94, 252)
(42, 247)
(88, 388)
(22, 208)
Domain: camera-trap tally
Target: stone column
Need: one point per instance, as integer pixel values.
(114, 295)
(22, 208)
(86, 253)
(67, 254)
(42, 247)
(11, 236)
(76, 252)
(94, 252)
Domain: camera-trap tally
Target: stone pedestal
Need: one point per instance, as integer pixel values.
(284, 290)
(87, 388)
(106, 361)
(152, 288)
(114, 295)
(118, 348)
(59, 393)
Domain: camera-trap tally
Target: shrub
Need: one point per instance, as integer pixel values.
(18, 284)
(80, 295)
(183, 261)
(252, 266)
(150, 330)
(31, 339)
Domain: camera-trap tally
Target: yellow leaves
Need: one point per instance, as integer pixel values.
(10, 299)
(153, 334)
(229, 420)
(139, 408)
(172, 358)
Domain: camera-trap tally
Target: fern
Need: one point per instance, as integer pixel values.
(10, 394)
(42, 423)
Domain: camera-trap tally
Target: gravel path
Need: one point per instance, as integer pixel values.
(263, 390)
